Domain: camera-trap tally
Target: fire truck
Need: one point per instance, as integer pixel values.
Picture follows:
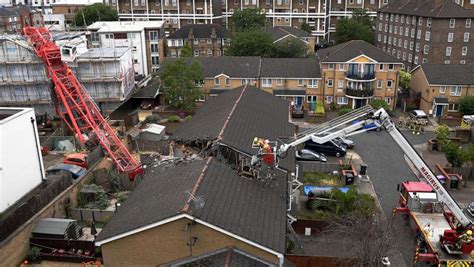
(76, 107)
(441, 226)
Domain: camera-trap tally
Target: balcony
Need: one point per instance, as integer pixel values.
(361, 76)
(359, 93)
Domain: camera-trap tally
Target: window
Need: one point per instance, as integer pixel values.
(109, 36)
(411, 46)
(416, 60)
(312, 98)
(468, 23)
(388, 100)
(428, 22)
(402, 19)
(391, 66)
(390, 28)
(450, 37)
(341, 66)
(418, 34)
(196, 53)
(462, 61)
(209, 52)
(427, 36)
(410, 58)
(442, 89)
(413, 20)
(330, 82)
(466, 37)
(329, 99)
(340, 84)
(455, 91)
(300, 82)
(342, 100)
(279, 82)
(464, 51)
(448, 51)
(426, 49)
(331, 66)
(266, 82)
(95, 37)
(412, 34)
(417, 47)
(227, 81)
(154, 48)
(217, 81)
(452, 23)
(380, 66)
(453, 107)
(447, 61)
(379, 84)
(405, 44)
(389, 84)
(153, 36)
(385, 28)
(396, 18)
(209, 41)
(404, 56)
(312, 83)
(420, 21)
(401, 30)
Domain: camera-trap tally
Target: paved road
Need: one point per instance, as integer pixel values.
(387, 168)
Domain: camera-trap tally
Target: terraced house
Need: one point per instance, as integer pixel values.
(440, 87)
(355, 72)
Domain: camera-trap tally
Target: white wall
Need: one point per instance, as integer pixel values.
(21, 164)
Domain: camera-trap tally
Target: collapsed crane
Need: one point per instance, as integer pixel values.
(76, 107)
(427, 201)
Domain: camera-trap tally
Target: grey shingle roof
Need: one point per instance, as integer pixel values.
(349, 50)
(227, 257)
(199, 31)
(450, 74)
(235, 67)
(257, 114)
(290, 68)
(279, 32)
(252, 209)
(428, 8)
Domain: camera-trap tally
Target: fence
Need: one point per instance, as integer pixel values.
(319, 261)
(92, 215)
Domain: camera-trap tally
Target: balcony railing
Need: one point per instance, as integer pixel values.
(359, 92)
(361, 76)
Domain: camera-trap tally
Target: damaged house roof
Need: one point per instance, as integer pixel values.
(252, 209)
(236, 117)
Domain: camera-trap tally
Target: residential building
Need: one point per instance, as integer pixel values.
(70, 7)
(320, 15)
(14, 18)
(145, 38)
(465, 3)
(20, 155)
(107, 74)
(434, 32)
(441, 86)
(356, 71)
(55, 22)
(283, 33)
(204, 39)
(193, 210)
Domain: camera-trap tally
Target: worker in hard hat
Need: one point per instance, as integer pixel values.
(465, 238)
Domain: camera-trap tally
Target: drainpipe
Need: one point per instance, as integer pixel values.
(38, 153)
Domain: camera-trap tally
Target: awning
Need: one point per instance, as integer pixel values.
(441, 101)
(289, 92)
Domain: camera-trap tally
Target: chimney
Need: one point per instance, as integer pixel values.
(213, 32)
(190, 32)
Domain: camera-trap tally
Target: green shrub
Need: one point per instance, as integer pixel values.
(379, 103)
(187, 118)
(442, 133)
(319, 107)
(343, 111)
(155, 118)
(173, 118)
(34, 255)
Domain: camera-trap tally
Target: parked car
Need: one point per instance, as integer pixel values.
(308, 155)
(347, 143)
(470, 208)
(79, 159)
(297, 111)
(75, 170)
(419, 117)
(329, 148)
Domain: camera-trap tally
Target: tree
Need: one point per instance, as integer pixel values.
(93, 13)
(179, 80)
(405, 79)
(359, 27)
(442, 134)
(247, 19)
(454, 154)
(290, 48)
(305, 27)
(466, 105)
(186, 51)
(379, 103)
(251, 43)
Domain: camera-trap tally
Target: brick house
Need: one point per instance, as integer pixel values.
(441, 86)
(355, 72)
(282, 33)
(434, 32)
(204, 40)
(14, 18)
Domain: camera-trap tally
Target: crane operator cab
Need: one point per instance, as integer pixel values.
(68, 53)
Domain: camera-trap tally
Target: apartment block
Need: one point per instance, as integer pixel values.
(440, 87)
(145, 38)
(356, 72)
(204, 40)
(107, 74)
(14, 18)
(433, 32)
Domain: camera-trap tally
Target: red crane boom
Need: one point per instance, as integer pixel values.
(75, 106)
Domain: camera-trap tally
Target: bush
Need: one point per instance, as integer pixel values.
(379, 103)
(344, 204)
(454, 154)
(155, 118)
(442, 134)
(466, 105)
(173, 118)
(34, 255)
(319, 107)
(343, 111)
(187, 118)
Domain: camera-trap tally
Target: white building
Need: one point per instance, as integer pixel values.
(21, 163)
(145, 38)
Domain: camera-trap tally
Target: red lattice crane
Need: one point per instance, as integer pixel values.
(75, 105)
